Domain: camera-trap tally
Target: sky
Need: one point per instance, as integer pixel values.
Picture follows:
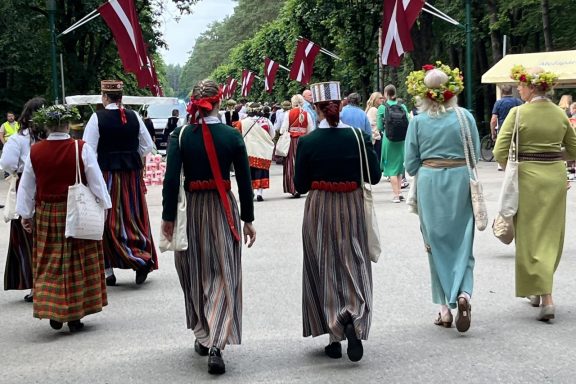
(181, 35)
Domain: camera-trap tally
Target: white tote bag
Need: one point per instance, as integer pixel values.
(373, 232)
(10, 203)
(84, 214)
(180, 235)
(283, 144)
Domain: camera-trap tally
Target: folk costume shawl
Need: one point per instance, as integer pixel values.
(202, 106)
(259, 144)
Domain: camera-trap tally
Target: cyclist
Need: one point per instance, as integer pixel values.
(501, 109)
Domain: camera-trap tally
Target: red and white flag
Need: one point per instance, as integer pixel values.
(247, 81)
(399, 17)
(303, 64)
(122, 19)
(270, 69)
(232, 87)
(226, 90)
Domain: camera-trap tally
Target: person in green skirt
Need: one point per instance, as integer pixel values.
(543, 129)
(392, 159)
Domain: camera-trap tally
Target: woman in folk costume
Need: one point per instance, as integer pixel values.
(540, 222)
(210, 270)
(258, 132)
(18, 272)
(298, 122)
(337, 278)
(121, 139)
(435, 154)
(68, 273)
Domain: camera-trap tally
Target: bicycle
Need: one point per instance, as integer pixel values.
(486, 147)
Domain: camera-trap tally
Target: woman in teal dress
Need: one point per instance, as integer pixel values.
(435, 154)
(392, 159)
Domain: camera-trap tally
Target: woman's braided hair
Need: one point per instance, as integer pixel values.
(205, 88)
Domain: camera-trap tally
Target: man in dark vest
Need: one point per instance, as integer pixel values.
(121, 139)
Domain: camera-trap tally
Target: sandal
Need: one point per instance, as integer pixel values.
(463, 317)
(445, 321)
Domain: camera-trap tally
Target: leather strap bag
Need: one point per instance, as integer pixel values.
(179, 240)
(476, 191)
(371, 222)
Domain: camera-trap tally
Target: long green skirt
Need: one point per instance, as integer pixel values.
(540, 225)
(392, 161)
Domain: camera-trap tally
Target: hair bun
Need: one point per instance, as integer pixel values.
(435, 78)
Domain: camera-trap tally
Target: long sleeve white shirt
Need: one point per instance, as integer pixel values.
(286, 122)
(92, 134)
(15, 152)
(26, 196)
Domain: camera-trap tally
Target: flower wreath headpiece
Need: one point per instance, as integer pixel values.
(454, 85)
(55, 115)
(543, 80)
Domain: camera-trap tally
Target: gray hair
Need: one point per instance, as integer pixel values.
(354, 99)
(297, 101)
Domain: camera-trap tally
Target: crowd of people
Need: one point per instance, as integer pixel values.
(333, 149)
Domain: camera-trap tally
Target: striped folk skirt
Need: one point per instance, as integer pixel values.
(69, 280)
(18, 272)
(289, 163)
(127, 237)
(210, 271)
(337, 278)
(260, 178)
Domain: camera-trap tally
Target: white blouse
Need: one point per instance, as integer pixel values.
(92, 133)
(15, 152)
(25, 198)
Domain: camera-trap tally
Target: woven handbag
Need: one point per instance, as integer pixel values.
(373, 232)
(476, 191)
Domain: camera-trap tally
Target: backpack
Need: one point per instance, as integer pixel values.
(395, 122)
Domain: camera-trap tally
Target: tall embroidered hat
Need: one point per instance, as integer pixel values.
(328, 91)
(108, 86)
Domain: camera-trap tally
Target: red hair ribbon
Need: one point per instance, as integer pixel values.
(202, 106)
(122, 113)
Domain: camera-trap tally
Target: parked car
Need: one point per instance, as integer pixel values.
(159, 114)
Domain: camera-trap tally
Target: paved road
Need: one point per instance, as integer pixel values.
(141, 337)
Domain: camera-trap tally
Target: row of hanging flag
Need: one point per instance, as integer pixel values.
(122, 18)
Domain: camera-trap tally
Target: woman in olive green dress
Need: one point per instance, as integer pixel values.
(543, 130)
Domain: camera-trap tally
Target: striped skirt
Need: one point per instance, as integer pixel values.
(289, 163)
(337, 278)
(127, 237)
(18, 272)
(69, 280)
(210, 271)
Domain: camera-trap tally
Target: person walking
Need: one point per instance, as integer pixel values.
(68, 273)
(337, 276)
(501, 109)
(258, 132)
(393, 120)
(210, 270)
(120, 139)
(354, 116)
(435, 156)
(18, 271)
(308, 107)
(376, 99)
(298, 122)
(540, 222)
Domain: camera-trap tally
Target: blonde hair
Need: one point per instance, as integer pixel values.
(297, 101)
(374, 97)
(565, 101)
(434, 79)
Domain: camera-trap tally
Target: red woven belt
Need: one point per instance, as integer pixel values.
(333, 186)
(207, 185)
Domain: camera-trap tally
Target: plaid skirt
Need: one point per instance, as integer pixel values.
(127, 237)
(337, 278)
(69, 280)
(210, 271)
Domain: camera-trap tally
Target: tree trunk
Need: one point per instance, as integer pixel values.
(495, 35)
(546, 25)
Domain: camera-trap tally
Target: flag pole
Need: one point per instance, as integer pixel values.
(89, 17)
(324, 50)
(468, 77)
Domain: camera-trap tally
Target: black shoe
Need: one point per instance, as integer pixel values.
(75, 325)
(259, 198)
(215, 362)
(55, 324)
(200, 349)
(142, 274)
(355, 349)
(334, 350)
(1, 206)
(29, 298)
(296, 195)
(111, 281)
